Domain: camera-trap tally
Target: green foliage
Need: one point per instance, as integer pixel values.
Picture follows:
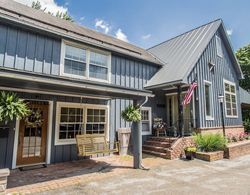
(190, 149)
(210, 142)
(243, 56)
(63, 15)
(246, 124)
(12, 107)
(131, 114)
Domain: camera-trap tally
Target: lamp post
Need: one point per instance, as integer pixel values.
(221, 100)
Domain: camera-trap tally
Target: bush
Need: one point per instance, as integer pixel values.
(246, 124)
(210, 142)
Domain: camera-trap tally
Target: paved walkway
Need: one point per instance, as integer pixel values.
(173, 177)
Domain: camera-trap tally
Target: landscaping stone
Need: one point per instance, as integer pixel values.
(210, 156)
(237, 149)
(4, 173)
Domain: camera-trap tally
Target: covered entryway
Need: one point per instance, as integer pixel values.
(33, 135)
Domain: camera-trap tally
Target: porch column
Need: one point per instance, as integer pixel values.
(137, 141)
(180, 110)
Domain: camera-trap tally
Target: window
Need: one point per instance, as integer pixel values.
(208, 100)
(230, 99)
(96, 121)
(219, 46)
(75, 61)
(73, 119)
(146, 120)
(98, 66)
(85, 63)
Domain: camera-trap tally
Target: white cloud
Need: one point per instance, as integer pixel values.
(145, 37)
(50, 5)
(229, 32)
(120, 35)
(102, 25)
(81, 18)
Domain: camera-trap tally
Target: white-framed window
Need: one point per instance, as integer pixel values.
(208, 100)
(230, 99)
(80, 61)
(75, 118)
(219, 46)
(146, 120)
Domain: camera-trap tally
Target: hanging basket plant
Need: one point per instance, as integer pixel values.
(131, 114)
(11, 107)
(34, 119)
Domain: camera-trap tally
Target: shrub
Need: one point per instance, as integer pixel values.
(210, 142)
(246, 124)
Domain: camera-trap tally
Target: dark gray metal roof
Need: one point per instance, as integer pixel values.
(16, 12)
(181, 53)
(244, 96)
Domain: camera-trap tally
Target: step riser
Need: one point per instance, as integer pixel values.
(161, 139)
(158, 144)
(161, 150)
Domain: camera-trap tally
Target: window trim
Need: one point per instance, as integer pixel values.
(88, 49)
(217, 46)
(209, 83)
(84, 107)
(225, 107)
(150, 120)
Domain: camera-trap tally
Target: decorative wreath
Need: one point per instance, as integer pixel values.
(34, 119)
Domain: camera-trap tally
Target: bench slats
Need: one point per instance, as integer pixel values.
(90, 144)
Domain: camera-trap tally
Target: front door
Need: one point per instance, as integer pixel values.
(33, 135)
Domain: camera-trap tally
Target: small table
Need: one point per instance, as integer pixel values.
(158, 130)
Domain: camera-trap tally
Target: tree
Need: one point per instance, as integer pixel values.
(243, 56)
(63, 15)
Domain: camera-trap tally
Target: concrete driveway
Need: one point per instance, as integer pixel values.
(174, 177)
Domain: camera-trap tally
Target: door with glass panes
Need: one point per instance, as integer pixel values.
(32, 135)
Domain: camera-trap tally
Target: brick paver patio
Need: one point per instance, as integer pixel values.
(72, 173)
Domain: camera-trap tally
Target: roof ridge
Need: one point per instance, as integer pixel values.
(219, 19)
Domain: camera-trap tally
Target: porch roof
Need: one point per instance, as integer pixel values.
(47, 84)
(244, 97)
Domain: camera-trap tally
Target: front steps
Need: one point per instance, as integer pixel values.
(164, 147)
(158, 146)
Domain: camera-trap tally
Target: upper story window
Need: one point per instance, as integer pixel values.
(86, 63)
(230, 99)
(219, 47)
(208, 100)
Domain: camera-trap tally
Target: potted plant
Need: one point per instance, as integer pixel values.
(11, 107)
(190, 152)
(131, 114)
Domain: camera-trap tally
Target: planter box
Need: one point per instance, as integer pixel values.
(210, 156)
(4, 173)
(237, 149)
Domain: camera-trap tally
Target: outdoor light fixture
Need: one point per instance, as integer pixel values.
(221, 100)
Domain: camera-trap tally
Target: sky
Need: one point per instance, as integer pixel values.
(146, 23)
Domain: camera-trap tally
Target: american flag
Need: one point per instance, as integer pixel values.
(189, 94)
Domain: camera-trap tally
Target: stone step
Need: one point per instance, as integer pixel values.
(163, 139)
(159, 154)
(154, 148)
(157, 143)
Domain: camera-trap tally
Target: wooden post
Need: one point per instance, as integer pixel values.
(180, 110)
(137, 142)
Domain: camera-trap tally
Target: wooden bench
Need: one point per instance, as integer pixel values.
(91, 144)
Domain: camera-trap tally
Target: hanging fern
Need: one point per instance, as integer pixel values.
(12, 107)
(131, 114)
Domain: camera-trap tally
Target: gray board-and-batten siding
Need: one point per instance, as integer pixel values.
(223, 69)
(32, 52)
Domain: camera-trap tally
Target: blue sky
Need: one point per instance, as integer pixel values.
(148, 22)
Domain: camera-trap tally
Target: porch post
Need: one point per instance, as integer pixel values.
(137, 141)
(180, 110)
